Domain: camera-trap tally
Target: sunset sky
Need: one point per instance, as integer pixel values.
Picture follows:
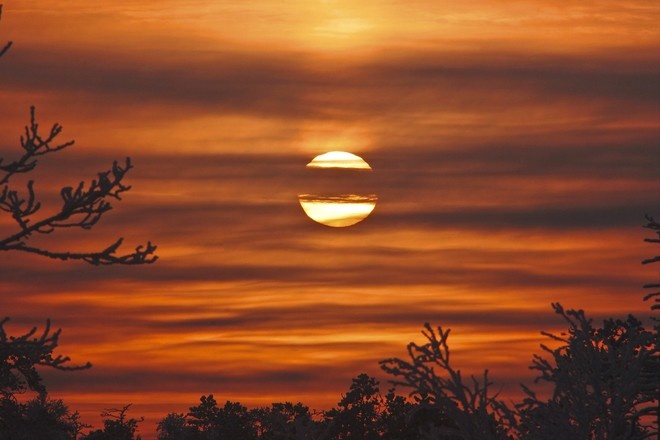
(515, 148)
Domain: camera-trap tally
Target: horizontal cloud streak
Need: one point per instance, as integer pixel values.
(286, 84)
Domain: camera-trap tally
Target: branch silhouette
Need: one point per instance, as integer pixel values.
(82, 206)
(655, 295)
(471, 406)
(8, 44)
(21, 354)
(604, 379)
(34, 145)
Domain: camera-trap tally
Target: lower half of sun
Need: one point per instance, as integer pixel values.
(337, 211)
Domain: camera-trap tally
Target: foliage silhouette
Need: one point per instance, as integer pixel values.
(605, 386)
(602, 386)
(401, 418)
(284, 421)
(116, 426)
(38, 419)
(232, 421)
(653, 368)
(175, 426)
(361, 414)
(358, 414)
(20, 356)
(465, 410)
(364, 414)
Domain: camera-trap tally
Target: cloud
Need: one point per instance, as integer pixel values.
(508, 177)
(218, 198)
(298, 86)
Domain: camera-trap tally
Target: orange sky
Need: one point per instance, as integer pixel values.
(514, 147)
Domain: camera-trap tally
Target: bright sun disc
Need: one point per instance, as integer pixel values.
(338, 159)
(338, 210)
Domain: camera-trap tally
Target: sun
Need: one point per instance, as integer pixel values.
(338, 159)
(338, 209)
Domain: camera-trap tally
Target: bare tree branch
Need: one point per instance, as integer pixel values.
(33, 145)
(654, 296)
(82, 206)
(477, 414)
(9, 43)
(106, 257)
(19, 355)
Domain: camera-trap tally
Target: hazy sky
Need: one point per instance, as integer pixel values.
(514, 147)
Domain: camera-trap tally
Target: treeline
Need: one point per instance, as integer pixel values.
(605, 384)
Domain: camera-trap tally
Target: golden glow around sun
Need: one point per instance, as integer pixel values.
(338, 210)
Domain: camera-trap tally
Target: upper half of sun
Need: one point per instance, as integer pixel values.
(338, 159)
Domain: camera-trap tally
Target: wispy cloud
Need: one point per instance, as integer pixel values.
(514, 154)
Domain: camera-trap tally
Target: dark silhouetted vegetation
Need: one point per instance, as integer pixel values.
(7, 45)
(467, 409)
(21, 355)
(81, 207)
(116, 426)
(40, 417)
(654, 296)
(605, 382)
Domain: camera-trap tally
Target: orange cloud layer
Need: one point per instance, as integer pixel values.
(514, 154)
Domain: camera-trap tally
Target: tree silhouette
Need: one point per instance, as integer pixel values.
(601, 386)
(285, 421)
(403, 419)
(233, 421)
(204, 417)
(20, 356)
(364, 413)
(652, 373)
(208, 421)
(465, 411)
(175, 427)
(116, 426)
(39, 419)
(358, 414)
